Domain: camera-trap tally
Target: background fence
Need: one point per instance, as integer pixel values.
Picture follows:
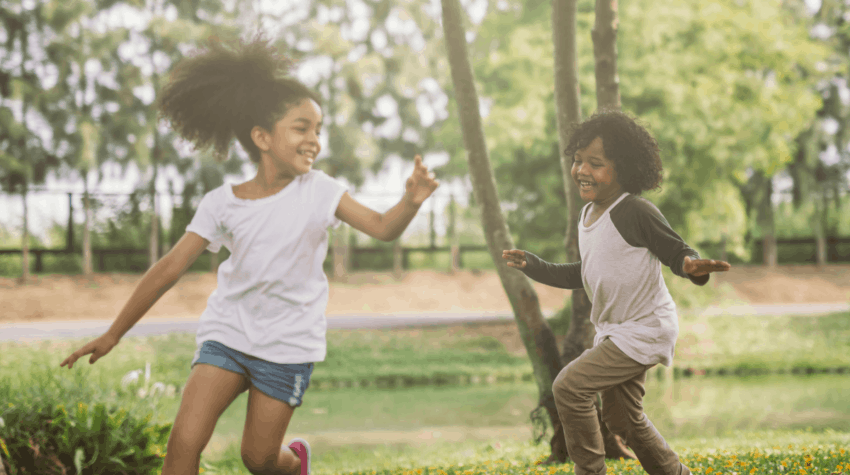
(446, 234)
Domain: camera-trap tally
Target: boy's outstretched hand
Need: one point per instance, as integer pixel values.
(698, 267)
(515, 258)
(97, 348)
(421, 183)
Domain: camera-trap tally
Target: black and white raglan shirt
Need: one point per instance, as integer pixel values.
(620, 269)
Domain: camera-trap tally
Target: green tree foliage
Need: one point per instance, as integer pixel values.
(724, 87)
(25, 156)
(378, 64)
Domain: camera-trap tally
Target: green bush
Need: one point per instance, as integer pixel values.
(52, 425)
(10, 265)
(62, 263)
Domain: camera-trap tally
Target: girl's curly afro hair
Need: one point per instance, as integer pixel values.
(629, 145)
(225, 90)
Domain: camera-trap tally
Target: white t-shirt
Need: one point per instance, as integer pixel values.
(272, 291)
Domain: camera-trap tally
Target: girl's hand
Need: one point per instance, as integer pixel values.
(700, 267)
(515, 258)
(421, 183)
(97, 348)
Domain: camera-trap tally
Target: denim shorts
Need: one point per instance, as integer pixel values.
(284, 382)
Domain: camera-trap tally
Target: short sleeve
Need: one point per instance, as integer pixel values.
(206, 224)
(329, 192)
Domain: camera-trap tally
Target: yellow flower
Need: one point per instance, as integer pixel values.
(5, 449)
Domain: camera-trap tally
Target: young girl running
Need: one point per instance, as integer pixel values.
(264, 325)
(623, 240)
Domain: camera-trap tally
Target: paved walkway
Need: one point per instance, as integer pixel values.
(151, 326)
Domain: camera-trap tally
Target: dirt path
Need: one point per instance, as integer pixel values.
(62, 298)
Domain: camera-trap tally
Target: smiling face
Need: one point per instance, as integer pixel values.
(595, 175)
(293, 144)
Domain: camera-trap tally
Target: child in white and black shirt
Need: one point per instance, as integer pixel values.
(623, 241)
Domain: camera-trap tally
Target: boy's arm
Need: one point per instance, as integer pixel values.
(563, 276)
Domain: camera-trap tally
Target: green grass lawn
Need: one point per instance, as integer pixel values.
(729, 408)
(763, 452)
(764, 342)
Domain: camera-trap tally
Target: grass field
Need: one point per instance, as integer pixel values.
(466, 354)
(485, 425)
(764, 452)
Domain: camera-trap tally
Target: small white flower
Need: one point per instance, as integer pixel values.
(130, 378)
(157, 388)
(142, 393)
(170, 390)
(2, 423)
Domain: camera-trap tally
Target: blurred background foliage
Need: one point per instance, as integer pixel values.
(748, 101)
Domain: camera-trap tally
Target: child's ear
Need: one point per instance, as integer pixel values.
(261, 138)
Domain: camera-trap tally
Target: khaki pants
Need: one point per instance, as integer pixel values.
(620, 379)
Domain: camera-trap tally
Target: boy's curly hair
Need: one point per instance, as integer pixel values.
(628, 144)
(226, 90)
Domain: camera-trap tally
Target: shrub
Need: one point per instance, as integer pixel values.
(53, 424)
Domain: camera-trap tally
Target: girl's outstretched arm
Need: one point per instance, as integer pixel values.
(156, 281)
(389, 226)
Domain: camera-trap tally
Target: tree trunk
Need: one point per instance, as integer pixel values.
(214, 262)
(87, 256)
(153, 243)
(69, 245)
(350, 244)
(398, 260)
(765, 219)
(605, 55)
(453, 236)
(798, 171)
(25, 239)
(339, 252)
(820, 232)
(567, 94)
(535, 331)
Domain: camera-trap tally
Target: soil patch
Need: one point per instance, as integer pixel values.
(60, 297)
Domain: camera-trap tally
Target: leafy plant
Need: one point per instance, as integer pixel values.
(55, 425)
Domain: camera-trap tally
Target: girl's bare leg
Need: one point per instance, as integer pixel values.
(208, 392)
(265, 427)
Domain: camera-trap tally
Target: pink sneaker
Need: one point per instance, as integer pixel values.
(302, 450)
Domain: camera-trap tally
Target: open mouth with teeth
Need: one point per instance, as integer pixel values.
(308, 154)
(585, 185)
